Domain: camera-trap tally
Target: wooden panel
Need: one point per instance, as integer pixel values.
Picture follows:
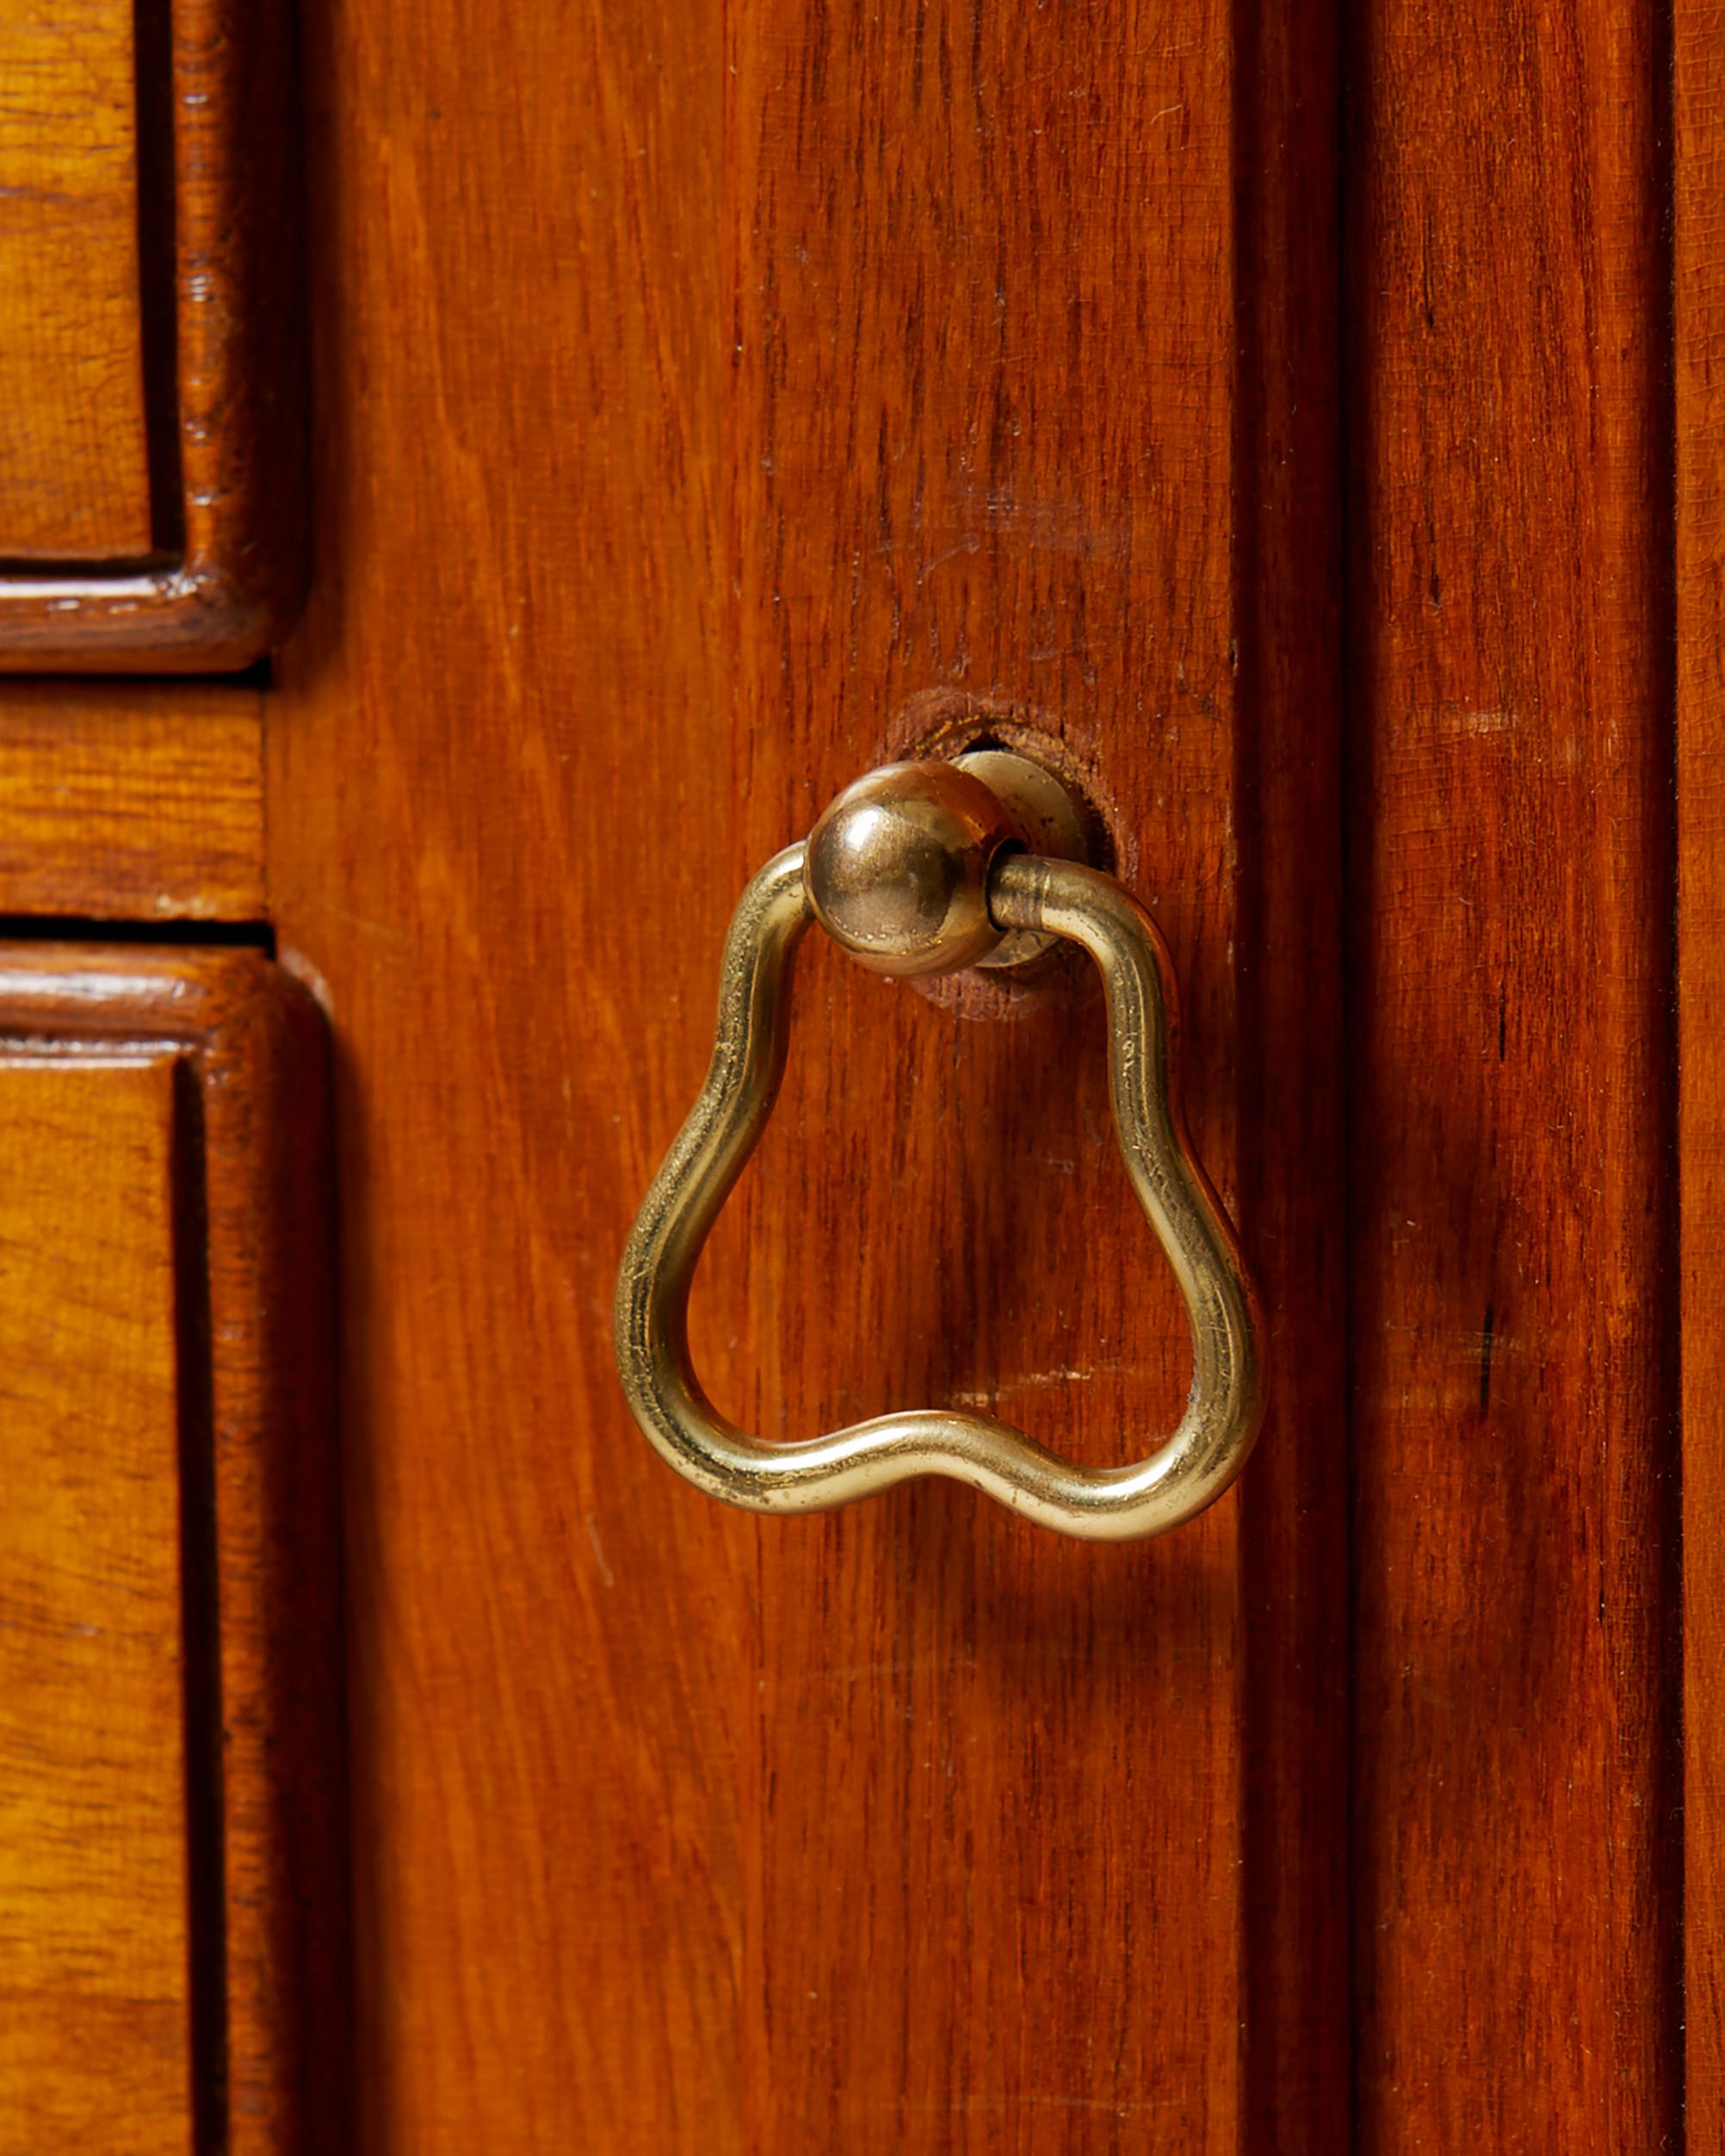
(172, 1907)
(152, 306)
(943, 492)
(74, 469)
(96, 2046)
(868, 373)
(942, 238)
(1699, 288)
(1514, 1325)
(142, 802)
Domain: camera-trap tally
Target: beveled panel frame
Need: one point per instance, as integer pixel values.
(220, 271)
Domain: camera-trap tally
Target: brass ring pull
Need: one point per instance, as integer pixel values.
(909, 869)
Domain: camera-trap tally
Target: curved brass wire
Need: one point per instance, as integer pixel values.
(1184, 1475)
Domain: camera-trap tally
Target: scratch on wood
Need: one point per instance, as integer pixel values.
(605, 1571)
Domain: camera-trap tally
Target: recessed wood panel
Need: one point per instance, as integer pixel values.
(172, 1866)
(74, 470)
(96, 2014)
(151, 334)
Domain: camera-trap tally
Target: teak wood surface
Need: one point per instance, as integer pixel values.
(1304, 433)
(152, 449)
(96, 2033)
(173, 1870)
(843, 380)
(1512, 1333)
(74, 455)
(140, 803)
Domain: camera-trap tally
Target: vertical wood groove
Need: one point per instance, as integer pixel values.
(871, 373)
(1288, 578)
(1699, 303)
(200, 1617)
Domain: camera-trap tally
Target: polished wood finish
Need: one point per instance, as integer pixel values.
(151, 459)
(141, 801)
(871, 375)
(174, 1906)
(95, 2037)
(1514, 1325)
(74, 462)
(849, 381)
(1698, 287)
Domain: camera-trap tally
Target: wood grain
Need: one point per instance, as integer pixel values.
(193, 561)
(166, 1251)
(870, 373)
(1698, 285)
(74, 463)
(947, 511)
(96, 2039)
(144, 802)
(1514, 1321)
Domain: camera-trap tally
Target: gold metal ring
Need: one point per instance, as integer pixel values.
(1179, 1478)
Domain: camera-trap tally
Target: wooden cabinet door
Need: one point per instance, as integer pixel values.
(711, 408)
(1279, 421)
(852, 380)
(717, 403)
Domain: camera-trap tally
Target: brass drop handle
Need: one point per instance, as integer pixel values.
(920, 869)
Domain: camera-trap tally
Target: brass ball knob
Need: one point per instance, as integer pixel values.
(898, 868)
